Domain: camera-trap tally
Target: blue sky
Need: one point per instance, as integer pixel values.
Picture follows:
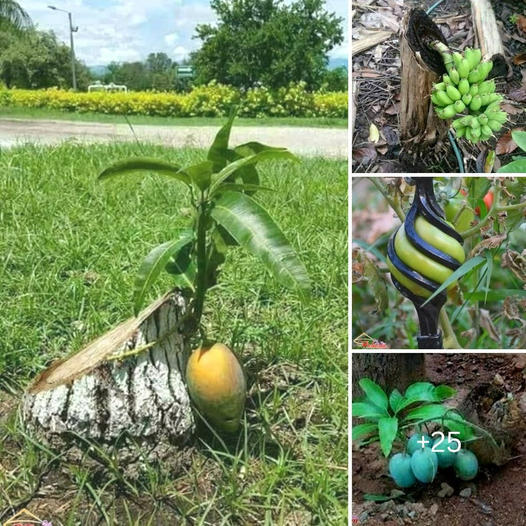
(127, 30)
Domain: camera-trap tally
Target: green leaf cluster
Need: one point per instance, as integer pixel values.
(387, 418)
(225, 214)
(518, 165)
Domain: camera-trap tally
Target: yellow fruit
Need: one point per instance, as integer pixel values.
(421, 263)
(435, 237)
(217, 386)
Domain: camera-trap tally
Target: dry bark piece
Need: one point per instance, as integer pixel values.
(363, 44)
(488, 37)
(125, 387)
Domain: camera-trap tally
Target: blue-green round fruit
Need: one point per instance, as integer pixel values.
(424, 464)
(445, 457)
(413, 442)
(400, 470)
(466, 465)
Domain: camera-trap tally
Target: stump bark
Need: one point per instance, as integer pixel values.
(125, 389)
(421, 131)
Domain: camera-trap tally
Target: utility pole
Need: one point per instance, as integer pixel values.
(72, 30)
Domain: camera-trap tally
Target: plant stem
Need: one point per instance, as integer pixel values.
(450, 337)
(491, 213)
(201, 285)
(395, 206)
(517, 206)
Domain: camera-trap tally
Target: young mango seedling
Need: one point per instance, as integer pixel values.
(225, 215)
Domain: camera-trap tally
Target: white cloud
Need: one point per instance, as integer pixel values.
(119, 30)
(171, 38)
(180, 52)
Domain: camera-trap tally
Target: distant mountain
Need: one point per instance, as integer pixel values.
(338, 63)
(98, 71)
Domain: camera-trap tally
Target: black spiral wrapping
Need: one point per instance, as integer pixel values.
(424, 204)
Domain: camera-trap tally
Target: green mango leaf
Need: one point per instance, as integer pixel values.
(200, 174)
(264, 155)
(250, 148)
(145, 165)
(368, 410)
(520, 139)
(394, 399)
(253, 228)
(218, 152)
(375, 394)
(183, 269)
(363, 430)
(154, 263)
(426, 412)
(242, 187)
(387, 428)
(517, 166)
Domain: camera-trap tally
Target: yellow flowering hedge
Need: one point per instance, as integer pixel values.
(213, 100)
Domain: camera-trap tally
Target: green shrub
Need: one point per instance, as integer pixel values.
(212, 100)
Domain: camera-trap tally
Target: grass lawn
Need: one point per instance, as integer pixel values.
(69, 250)
(45, 113)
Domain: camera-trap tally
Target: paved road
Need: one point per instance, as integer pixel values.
(329, 142)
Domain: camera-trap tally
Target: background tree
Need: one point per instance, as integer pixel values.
(37, 59)
(267, 42)
(12, 16)
(156, 72)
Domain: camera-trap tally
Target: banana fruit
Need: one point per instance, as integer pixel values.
(464, 88)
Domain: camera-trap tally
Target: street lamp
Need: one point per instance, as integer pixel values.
(71, 31)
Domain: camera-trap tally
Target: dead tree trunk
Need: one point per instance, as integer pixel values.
(488, 39)
(421, 131)
(389, 370)
(124, 388)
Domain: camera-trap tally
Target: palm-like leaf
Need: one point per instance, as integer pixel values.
(130, 166)
(154, 263)
(12, 16)
(252, 227)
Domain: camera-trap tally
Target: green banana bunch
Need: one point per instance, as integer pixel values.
(464, 88)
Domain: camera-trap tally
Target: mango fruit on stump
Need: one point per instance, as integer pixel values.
(217, 386)
(423, 252)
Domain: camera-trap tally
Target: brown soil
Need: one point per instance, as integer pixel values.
(498, 493)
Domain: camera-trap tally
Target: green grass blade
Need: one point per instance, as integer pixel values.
(466, 267)
(253, 228)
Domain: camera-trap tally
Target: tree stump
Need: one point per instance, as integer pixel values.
(389, 370)
(125, 389)
(421, 131)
